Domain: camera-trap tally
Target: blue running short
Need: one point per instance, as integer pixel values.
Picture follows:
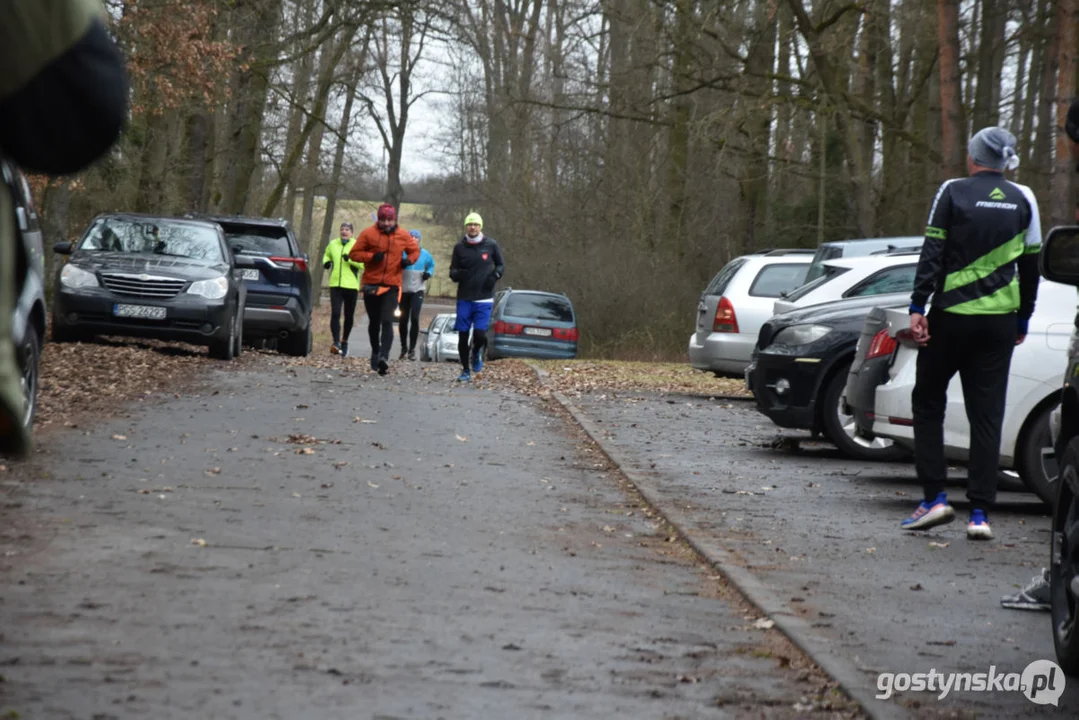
(472, 315)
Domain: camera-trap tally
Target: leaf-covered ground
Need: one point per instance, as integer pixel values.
(99, 378)
(92, 379)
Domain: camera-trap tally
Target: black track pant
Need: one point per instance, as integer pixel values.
(479, 341)
(342, 298)
(409, 325)
(379, 309)
(979, 348)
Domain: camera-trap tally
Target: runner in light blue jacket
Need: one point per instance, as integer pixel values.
(413, 278)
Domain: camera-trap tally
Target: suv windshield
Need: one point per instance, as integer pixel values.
(539, 307)
(153, 237)
(257, 239)
(827, 274)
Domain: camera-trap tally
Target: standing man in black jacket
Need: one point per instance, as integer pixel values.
(980, 264)
(476, 266)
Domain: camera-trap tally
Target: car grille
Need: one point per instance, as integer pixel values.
(143, 286)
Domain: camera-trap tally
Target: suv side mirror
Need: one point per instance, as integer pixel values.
(1059, 258)
(63, 248)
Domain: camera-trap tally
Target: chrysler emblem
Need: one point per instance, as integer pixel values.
(144, 277)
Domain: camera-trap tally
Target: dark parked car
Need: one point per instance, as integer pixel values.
(28, 325)
(154, 277)
(532, 324)
(278, 279)
(800, 366)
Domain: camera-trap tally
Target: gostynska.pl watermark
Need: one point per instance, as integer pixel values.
(1041, 682)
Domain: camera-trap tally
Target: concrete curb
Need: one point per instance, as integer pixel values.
(757, 593)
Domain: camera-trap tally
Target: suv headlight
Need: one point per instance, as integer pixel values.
(212, 289)
(800, 334)
(75, 277)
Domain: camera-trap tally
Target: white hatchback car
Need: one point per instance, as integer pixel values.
(1034, 382)
(737, 302)
(854, 277)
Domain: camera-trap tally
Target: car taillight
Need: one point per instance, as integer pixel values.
(296, 263)
(725, 320)
(505, 328)
(881, 345)
(569, 334)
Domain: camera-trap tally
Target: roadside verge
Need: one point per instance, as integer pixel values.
(815, 645)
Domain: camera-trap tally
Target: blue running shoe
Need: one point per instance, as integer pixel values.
(464, 377)
(978, 527)
(930, 514)
(477, 362)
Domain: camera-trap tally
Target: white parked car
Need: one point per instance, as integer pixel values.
(737, 302)
(854, 277)
(440, 339)
(1034, 382)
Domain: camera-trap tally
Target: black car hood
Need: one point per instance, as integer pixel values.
(138, 264)
(840, 312)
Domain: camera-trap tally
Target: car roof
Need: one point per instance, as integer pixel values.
(873, 262)
(141, 217)
(244, 220)
(904, 239)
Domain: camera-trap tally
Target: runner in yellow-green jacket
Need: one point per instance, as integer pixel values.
(344, 286)
(63, 100)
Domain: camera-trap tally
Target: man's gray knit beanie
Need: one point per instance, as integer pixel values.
(993, 147)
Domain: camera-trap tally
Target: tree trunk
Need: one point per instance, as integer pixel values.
(333, 52)
(753, 185)
(195, 192)
(301, 86)
(678, 138)
(310, 173)
(1062, 207)
(1045, 139)
(257, 22)
(990, 57)
(953, 122)
(335, 176)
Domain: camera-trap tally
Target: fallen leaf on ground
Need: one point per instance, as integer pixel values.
(198, 541)
(304, 451)
(371, 484)
(764, 624)
(462, 438)
(935, 544)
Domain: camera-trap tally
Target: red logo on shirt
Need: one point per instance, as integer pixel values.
(484, 256)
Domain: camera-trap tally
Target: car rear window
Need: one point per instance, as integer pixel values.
(892, 280)
(723, 277)
(264, 240)
(816, 265)
(539, 307)
(828, 274)
(772, 280)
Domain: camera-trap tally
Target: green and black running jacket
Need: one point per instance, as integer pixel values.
(980, 255)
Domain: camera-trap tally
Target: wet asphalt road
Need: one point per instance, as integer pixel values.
(317, 543)
(822, 532)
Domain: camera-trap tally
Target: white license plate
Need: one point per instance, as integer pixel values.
(148, 312)
(538, 332)
(251, 274)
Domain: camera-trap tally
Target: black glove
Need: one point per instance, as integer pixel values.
(497, 274)
(328, 264)
(377, 257)
(405, 264)
(426, 276)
